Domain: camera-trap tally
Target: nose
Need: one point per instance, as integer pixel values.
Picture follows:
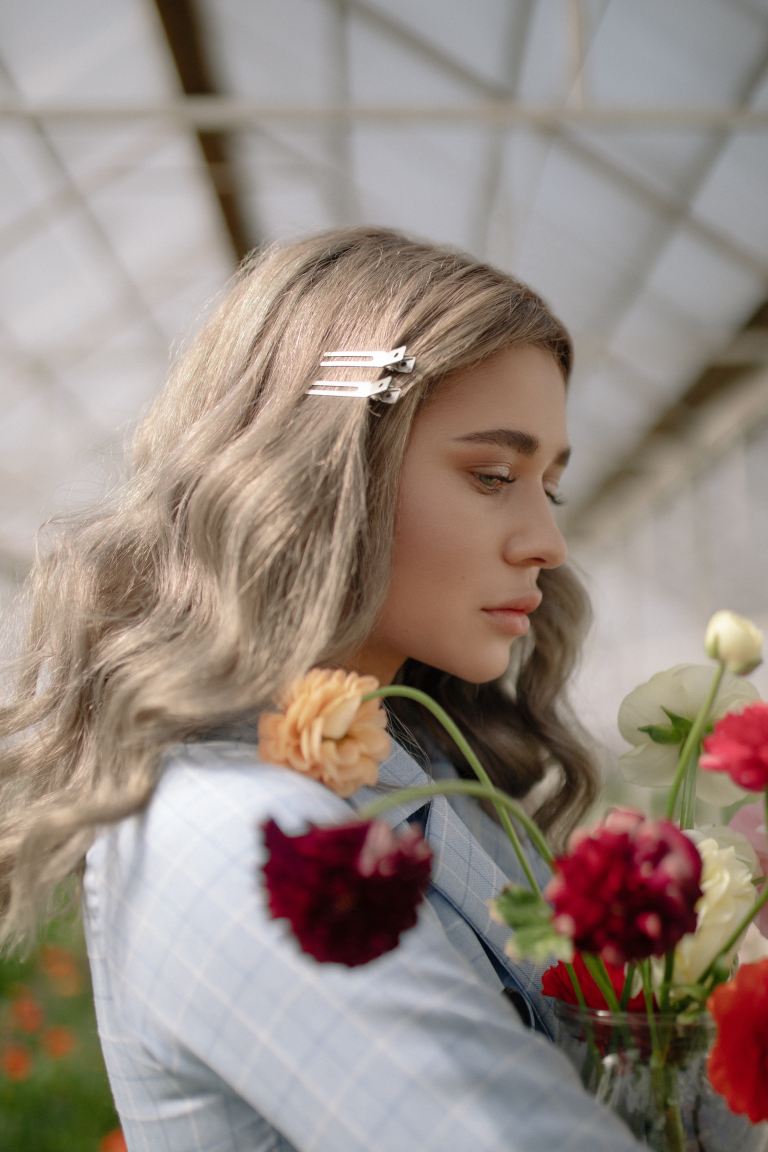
(534, 538)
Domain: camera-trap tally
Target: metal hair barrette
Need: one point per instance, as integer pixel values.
(383, 389)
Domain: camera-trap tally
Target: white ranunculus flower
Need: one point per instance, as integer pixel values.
(681, 690)
(728, 893)
(735, 641)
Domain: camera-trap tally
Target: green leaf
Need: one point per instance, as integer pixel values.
(673, 733)
(539, 943)
(521, 907)
(680, 722)
(530, 918)
(662, 735)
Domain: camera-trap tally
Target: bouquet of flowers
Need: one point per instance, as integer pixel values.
(653, 924)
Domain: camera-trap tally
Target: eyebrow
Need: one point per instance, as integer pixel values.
(522, 442)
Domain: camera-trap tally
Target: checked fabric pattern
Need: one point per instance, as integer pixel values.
(220, 1036)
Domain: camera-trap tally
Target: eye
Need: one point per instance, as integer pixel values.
(492, 481)
(556, 499)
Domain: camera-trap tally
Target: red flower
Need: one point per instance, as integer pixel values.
(739, 746)
(15, 1062)
(58, 1042)
(738, 1062)
(348, 892)
(114, 1141)
(628, 889)
(26, 1013)
(556, 982)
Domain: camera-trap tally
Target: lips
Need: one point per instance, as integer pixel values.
(524, 605)
(511, 618)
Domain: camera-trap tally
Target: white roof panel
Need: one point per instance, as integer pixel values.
(689, 53)
(714, 290)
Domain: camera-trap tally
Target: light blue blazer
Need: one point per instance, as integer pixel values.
(219, 1035)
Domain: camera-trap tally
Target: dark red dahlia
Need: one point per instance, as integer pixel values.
(627, 889)
(349, 891)
(739, 746)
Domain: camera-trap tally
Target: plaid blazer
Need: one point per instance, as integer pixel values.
(219, 1035)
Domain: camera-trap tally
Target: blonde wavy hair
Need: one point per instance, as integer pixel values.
(251, 542)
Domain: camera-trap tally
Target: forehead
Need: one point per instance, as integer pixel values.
(519, 388)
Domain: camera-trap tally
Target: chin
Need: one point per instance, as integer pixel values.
(480, 669)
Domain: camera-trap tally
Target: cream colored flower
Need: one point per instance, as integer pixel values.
(727, 896)
(682, 690)
(326, 732)
(735, 641)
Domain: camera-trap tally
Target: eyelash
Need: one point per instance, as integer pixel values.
(554, 497)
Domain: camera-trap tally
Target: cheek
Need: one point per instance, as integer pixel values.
(433, 541)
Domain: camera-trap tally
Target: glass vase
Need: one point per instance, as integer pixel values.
(657, 1085)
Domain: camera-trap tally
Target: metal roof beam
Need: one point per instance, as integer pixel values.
(185, 43)
(567, 117)
(225, 113)
(491, 178)
(130, 292)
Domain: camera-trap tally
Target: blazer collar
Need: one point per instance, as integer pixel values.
(463, 872)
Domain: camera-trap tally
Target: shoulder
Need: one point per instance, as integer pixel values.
(221, 784)
(208, 807)
(197, 848)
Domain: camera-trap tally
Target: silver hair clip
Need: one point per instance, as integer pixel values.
(382, 389)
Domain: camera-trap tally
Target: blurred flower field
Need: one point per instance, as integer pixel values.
(54, 1095)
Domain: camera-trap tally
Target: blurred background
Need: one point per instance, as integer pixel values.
(612, 153)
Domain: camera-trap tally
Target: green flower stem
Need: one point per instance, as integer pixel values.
(597, 971)
(503, 807)
(666, 984)
(576, 986)
(645, 973)
(662, 1077)
(733, 939)
(688, 761)
(626, 991)
(484, 790)
(458, 788)
(688, 796)
(594, 1051)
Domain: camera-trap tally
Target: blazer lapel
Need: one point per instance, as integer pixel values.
(466, 876)
(463, 873)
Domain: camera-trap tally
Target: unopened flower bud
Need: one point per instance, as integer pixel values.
(735, 641)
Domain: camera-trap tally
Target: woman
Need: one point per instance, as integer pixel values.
(270, 526)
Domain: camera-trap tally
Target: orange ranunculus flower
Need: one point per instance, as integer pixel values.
(114, 1141)
(325, 731)
(59, 1042)
(26, 1013)
(739, 1058)
(15, 1062)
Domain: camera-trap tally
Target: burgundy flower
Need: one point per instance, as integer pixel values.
(556, 982)
(348, 891)
(627, 889)
(739, 746)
